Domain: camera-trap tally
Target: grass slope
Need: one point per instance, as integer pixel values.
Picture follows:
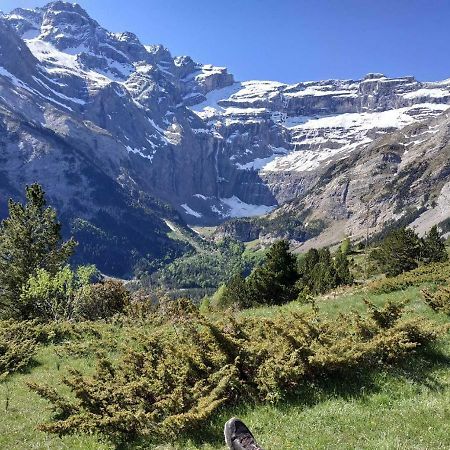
(403, 408)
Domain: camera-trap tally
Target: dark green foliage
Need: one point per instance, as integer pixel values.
(308, 262)
(30, 239)
(273, 283)
(174, 379)
(280, 279)
(399, 252)
(320, 272)
(234, 293)
(402, 250)
(433, 247)
(102, 300)
(342, 265)
(323, 276)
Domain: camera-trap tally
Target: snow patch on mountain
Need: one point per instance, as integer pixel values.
(340, 134)
(315, 138)
(432, 93)
(190, 211)
(235, 207)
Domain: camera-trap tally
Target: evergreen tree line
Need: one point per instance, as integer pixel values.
(37, 281)
(403, 250)
(283, 278)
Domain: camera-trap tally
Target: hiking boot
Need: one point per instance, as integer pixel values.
(239, 437)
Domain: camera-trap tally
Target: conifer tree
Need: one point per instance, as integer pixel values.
(344, 276)
(399, 252)
(308, 262)
(274, 282)
(318, 272)
(30, 239)
(434, 248)
(235, 292)
(323, 275)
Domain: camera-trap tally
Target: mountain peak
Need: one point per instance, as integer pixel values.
(68, 25)
(179, 131)
(65, 6)
(374, 76)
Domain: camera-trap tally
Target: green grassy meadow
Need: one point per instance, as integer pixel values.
(401, 407)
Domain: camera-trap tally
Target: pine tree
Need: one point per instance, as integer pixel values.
(274, 282)
(399, 252)
(317, 271)
(234, 293)
(323, 275)
(433, 247)
(344, 276)
(308, 262)
(30, 239)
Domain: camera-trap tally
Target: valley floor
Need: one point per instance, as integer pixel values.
(406, 407)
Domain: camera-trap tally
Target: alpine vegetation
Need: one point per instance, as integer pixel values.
(179, 248)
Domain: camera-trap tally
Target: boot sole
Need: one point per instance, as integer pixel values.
(227, 433)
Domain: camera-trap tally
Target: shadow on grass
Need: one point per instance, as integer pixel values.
(31, 365)
(419, 369)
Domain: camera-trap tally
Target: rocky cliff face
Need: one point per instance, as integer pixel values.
(108, 124)
(314, 121)
(399, 179)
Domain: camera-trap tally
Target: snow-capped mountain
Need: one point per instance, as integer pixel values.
(317, 121)
(107, 123)
(402, 178)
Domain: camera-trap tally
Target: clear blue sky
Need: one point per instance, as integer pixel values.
(289, 40)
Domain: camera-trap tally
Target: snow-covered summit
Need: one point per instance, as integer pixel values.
(64, 32)
(185, 132)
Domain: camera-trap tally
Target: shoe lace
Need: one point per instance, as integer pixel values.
(248, 442)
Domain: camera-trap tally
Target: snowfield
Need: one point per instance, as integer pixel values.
(315, 138)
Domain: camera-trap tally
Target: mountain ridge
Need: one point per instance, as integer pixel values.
(159, 129)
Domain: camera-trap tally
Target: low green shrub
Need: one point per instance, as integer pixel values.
(173, 378)
(18, 343)
(438, 300)
(102, 300)
(19, 340)
(430, 273)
